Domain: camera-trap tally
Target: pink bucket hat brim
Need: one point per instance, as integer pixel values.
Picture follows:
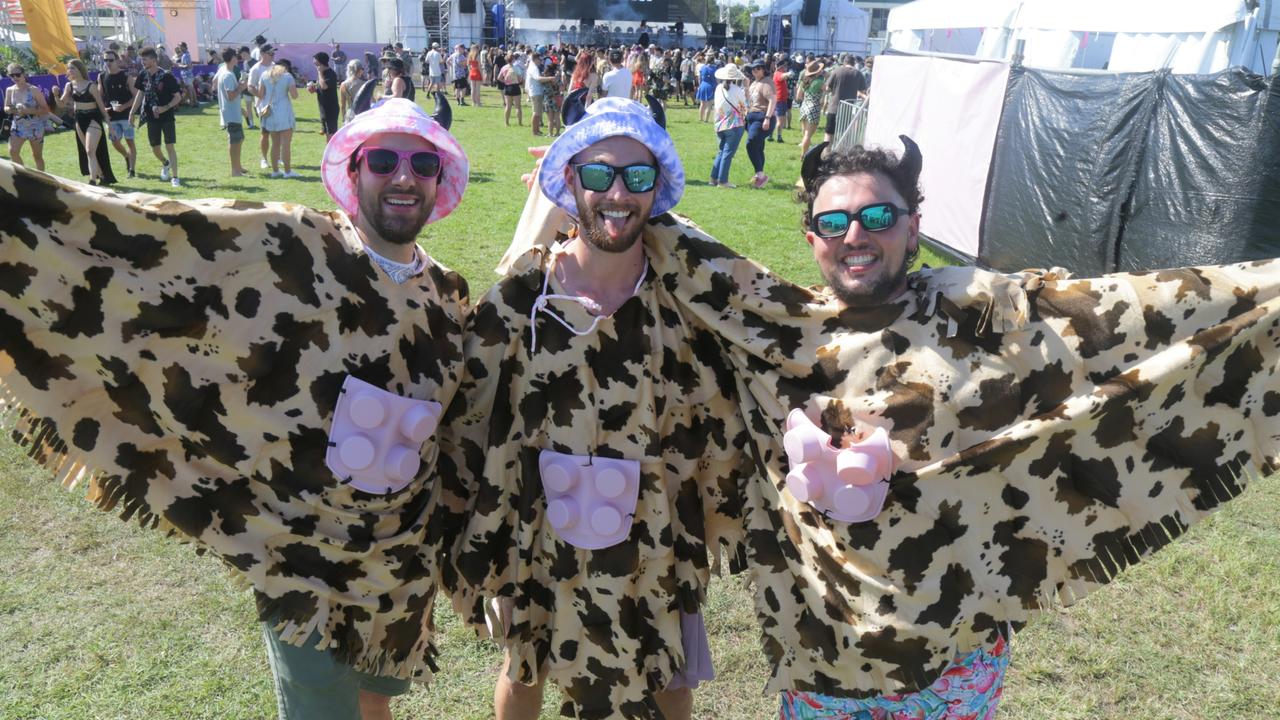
(396, 115)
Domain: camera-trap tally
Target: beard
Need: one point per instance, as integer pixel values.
(395, 229)
(594, 232)
(877, 291)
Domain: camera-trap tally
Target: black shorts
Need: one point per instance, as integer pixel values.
(687, 85)
(831, 123)
(513, 90)
(329, 121)
(165, 126)
(461, 83)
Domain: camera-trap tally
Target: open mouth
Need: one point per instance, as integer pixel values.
(401, 203)
(614, 220)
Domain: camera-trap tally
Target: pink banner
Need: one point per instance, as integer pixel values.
(222, 9)
(320, 8)
(255, 9)
(149, 7)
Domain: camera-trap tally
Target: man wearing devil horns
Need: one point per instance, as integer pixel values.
(263, 380)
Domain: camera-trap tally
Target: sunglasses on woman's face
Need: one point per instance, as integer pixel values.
(385, 161)
(874, 218)
(599, 177)
(15, 74)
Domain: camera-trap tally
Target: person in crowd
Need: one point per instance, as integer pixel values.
(688, 77)
(337, 58)
(553, 75)
(84, 98)
(401, 82)
(584, 76)
(165, 60)
(325, 88)
(186, 78)
(499, 62)
(810, 89)
(433, 68)
(406, 56)
(256, 53)
(537, 85)
(844, 83)
(458, 74)
(247, 110)
(706, 89)
(639, 69)
(156, 102)
(347, 93)
(118, 93)
(474, 74)
(617, 81)
(731, 120)
(510, 81)
(866, 73)
(761, 108)
(782, 91)
(276, 92)
(229, 86)
(266, 60)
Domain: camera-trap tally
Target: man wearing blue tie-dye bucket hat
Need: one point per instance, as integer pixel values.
(598, 434)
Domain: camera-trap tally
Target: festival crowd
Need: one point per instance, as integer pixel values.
(752, 94)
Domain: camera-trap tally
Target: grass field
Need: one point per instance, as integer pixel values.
(99, 619)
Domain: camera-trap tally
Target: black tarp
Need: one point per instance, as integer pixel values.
(1104, 172)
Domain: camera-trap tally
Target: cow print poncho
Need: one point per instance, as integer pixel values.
(1049, 433)
(185, 359)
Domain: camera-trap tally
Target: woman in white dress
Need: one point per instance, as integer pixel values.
(275, 108)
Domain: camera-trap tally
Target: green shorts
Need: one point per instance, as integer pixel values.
(235, 133)
(311, 684)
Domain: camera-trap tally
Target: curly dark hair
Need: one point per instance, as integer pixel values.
(864, 160)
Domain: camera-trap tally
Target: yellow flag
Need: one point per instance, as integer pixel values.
(50, 32)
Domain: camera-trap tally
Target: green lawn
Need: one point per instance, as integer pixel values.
(99, 619)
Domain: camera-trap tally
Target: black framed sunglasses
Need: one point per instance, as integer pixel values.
(384, 161)
(599, 177)
(874, 218)
(16, 74)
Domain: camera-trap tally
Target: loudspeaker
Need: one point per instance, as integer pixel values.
(466, 6)
(716, 36)
(809, 13)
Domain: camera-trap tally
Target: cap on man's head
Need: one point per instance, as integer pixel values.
(267, 49)
(435, 44)
(613, 117)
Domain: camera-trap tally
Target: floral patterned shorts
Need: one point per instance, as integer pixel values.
(968, 690)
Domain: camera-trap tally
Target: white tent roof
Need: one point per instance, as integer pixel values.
(839, 8)
(946, 14)
(1130, 16)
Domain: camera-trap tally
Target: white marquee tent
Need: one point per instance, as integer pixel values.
(841, 26)
(1187, 36)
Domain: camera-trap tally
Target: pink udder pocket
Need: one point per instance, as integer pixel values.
(591, 501)
(848, 484)
(375, 441)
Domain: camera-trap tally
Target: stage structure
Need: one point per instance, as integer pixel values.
(572, 21)
(171, 22)
(817, 26)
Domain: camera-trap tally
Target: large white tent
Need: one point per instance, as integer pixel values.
(1187, 36)
(841, 26)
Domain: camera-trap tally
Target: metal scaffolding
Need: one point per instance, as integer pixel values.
(142, 26)
(7, 30)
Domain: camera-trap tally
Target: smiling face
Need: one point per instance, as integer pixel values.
(864, 268)
(393, 208)
(613, 219)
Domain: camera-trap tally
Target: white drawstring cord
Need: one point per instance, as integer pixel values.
(591, 305)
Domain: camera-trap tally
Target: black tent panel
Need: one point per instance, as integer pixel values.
(1208, 189)
(1065, 160)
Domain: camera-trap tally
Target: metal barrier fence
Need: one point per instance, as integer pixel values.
(851, 124)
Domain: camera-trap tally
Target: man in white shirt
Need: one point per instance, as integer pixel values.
(435, 69)
(266, 59)
(536, 84)
(617, 81)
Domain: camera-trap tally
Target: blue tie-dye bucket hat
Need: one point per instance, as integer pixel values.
(606, 118)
